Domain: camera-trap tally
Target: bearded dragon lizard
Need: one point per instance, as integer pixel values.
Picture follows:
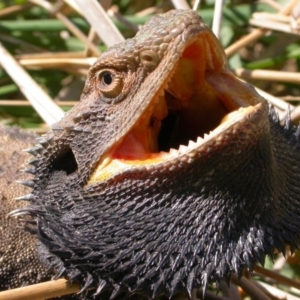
(168, 175)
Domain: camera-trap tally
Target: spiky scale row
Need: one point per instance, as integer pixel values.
(28, 197)
(35, 150)
(288, 121)
(33, 162)
(28, 183)
(297, 133)
(56, 127)
(273, 114)
(31, 170)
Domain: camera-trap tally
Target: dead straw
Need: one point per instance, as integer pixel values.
(45, 290)
(257, 33)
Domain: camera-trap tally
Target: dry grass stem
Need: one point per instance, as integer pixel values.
(272, 4)
(113, 12)
(231, 291)
(295, 115)
(106, 4)
(41, 102)
(277, 26)
(244, 41)
(196, 5)
(99, 20)
(291, 98)
(280, 262)
(93, 37)
(74, 5)
(277, 277)
(268, 75)
(24, 46)
(72, 62)
(45, 290)
(289, 7)
(57, 62)
(147, 11)
(262, 289)
(273, 17)
(249, 287)
(277, 293)
(6, 102)
(180, 4)
(280, 105)
(218, 13)
(75, 30)
(51, 55)
(14, 9)
(257, 33)
(209, 295)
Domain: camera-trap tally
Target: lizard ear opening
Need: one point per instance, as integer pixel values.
(65, 161)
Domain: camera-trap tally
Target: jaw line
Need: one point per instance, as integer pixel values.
(246, 102)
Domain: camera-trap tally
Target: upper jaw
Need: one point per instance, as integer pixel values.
(204, 99)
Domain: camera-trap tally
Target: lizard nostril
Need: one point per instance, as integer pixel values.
(66, 161)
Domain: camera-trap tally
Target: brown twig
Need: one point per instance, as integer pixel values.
(14, 9)
(276, 26)
(272, 4)
(230, 291)
(250, 288)
(41, 102)
(114, 13)
(257, 33)
(180, 4)
(210, 296)
(217, 20)
(99, 20)
(26, 103)
(268, 75)
(40, 291)
(278, 277)
(74, 29)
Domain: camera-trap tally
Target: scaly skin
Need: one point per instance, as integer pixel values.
(19, 264)
(114, 213)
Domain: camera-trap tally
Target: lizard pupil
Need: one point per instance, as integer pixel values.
(107, 78)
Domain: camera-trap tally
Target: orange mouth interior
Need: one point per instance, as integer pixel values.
(199, 97)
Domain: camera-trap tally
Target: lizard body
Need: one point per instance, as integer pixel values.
(169, 174)
(19, 262)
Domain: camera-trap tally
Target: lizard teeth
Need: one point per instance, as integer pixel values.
(199, 140)
(173, 151)
(182, 148)
(191, 144)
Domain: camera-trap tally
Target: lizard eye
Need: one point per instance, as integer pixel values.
(110, 83)
(107, 78)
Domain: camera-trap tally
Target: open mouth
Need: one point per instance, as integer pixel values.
(199, 100)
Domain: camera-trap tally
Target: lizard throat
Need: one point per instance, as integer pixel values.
(199, 100)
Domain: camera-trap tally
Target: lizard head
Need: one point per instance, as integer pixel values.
(177, 93)
(165, 176)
